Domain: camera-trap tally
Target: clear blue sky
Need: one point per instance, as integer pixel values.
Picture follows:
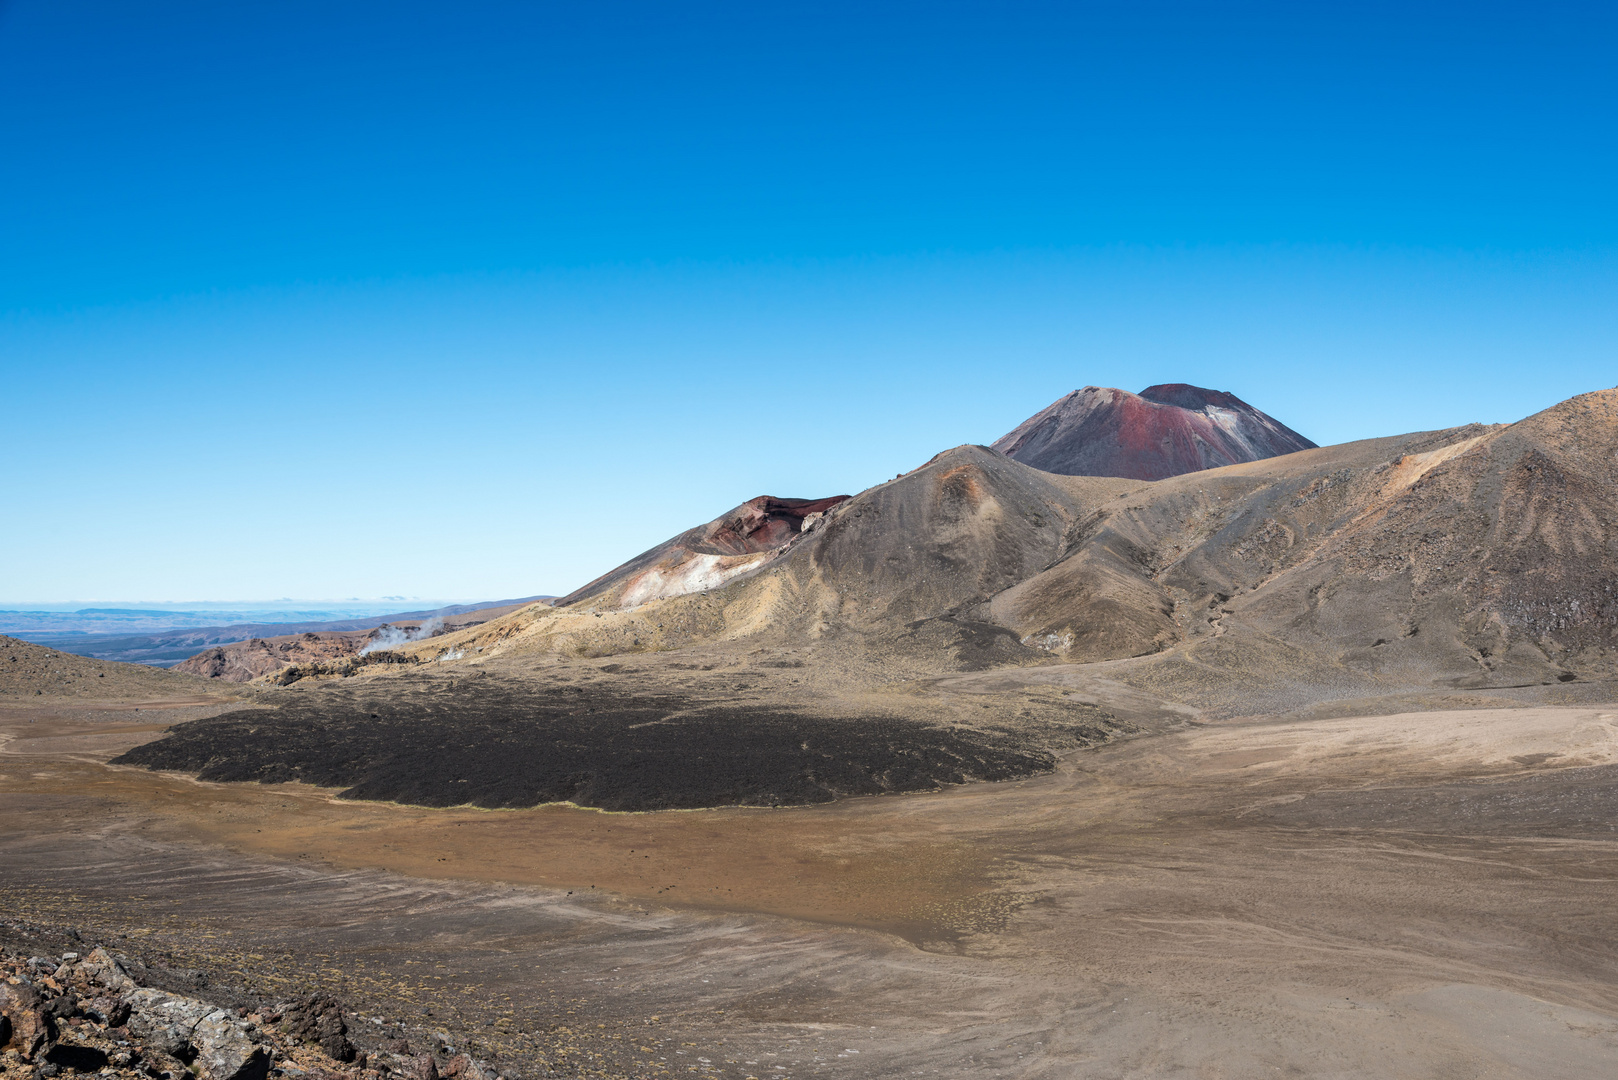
(478, 299)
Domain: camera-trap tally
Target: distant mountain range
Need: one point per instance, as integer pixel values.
(166, 648)
(158, 618)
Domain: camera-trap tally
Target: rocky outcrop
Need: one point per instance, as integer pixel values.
(1163, 431)
(216, 1043)
(28, 1026)
(89, 1014)
(245, 661)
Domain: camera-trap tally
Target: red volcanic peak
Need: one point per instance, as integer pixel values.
(1163, 431)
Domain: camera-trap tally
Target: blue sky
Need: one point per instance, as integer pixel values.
(476, 300)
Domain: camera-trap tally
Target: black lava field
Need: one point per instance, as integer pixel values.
(503, 746)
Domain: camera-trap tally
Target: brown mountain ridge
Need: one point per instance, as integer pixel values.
(1469, 557)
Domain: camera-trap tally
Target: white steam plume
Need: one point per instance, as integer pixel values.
(388, 637)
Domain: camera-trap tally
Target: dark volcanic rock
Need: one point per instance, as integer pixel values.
(110, 1011)
(1163, 431)
(500, 745)
(318, 1018)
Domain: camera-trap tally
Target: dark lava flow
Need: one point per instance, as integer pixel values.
(507, 746)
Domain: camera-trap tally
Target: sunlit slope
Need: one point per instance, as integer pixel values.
(1470, 556)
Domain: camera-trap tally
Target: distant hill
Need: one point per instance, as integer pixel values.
(244, 661)
(31, 673)
(1163, 431)
(126, 620)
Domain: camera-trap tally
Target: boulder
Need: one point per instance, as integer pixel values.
(214, 1040)
(164, 1022)
(62, 1006)
(224, 1052)
(102, 969)
(318, 1018)
(32, 1028)
(466, 1067)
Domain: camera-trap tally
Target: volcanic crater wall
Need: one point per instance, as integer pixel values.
(706, 557)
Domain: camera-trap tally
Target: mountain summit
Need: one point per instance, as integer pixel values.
(1162, 431)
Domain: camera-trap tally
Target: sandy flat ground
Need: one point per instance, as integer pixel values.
(1416, 895)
